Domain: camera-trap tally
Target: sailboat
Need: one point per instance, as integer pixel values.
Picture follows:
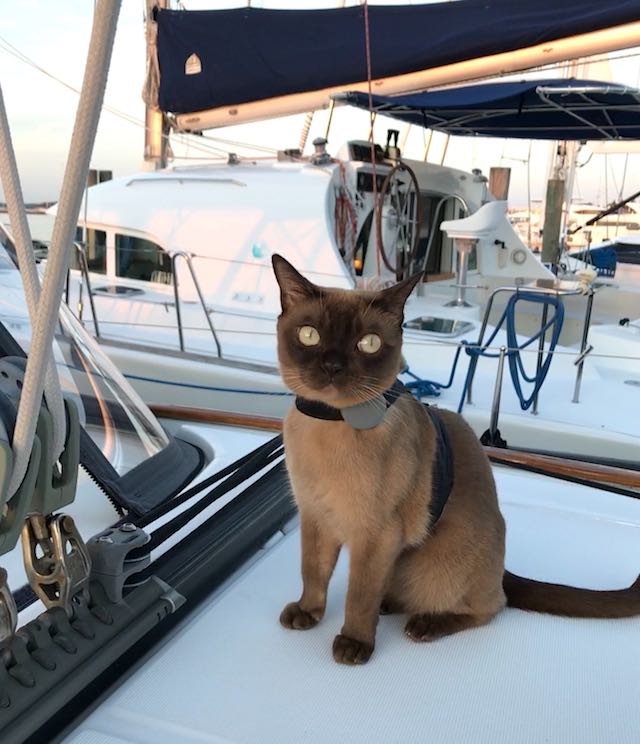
(176, 284)
(165, 628)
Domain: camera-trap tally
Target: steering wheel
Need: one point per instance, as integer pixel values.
(398, 219)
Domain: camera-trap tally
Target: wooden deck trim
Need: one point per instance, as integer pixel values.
(217, 417)
(563, 466)
(545, 463)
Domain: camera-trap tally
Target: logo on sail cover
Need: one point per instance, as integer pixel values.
(193, 66)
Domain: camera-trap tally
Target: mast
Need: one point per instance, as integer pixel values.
(559, 188)
(156, 129)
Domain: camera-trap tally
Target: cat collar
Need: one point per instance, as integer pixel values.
(365, 415)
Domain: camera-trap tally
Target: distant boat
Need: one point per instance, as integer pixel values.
(619, 258)
(625, 222)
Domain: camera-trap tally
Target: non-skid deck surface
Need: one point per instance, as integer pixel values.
(232, 674)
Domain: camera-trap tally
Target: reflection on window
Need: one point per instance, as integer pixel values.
(96, 248)
(137, 258)
(473, 259)
(97, 251)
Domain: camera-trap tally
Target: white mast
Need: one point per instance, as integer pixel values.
(156, 130)
(562, 171)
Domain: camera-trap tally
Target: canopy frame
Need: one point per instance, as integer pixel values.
(585, 102)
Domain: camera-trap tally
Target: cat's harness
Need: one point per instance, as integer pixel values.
(371, 413)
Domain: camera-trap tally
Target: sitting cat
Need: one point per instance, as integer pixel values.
(407, 488)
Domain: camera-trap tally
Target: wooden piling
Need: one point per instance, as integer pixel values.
(499, 179)
(552, 221)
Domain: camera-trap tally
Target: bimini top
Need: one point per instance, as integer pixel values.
(530, 109)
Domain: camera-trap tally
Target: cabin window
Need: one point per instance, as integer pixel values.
(428, 205)
(138, 258)
(473, 260)
(95, 245)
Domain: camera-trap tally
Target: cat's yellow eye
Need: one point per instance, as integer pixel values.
(370, 343)
(308, 336)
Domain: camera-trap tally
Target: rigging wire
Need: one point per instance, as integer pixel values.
(193, 143)
(14, 51)
(372, 119)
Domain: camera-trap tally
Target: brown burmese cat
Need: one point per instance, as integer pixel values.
(371, 489)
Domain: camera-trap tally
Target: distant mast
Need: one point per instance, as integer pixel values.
(156, 130)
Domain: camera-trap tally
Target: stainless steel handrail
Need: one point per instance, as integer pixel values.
(540, 288)
(176, 293)
(432, 232)
(84, 271)
(497, 395)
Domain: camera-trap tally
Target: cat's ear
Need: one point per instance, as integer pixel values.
(294, 288)
(393, 298)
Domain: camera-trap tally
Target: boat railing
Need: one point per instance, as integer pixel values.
(81, 253)
(186, 257)
(546, 294)
(85, 280)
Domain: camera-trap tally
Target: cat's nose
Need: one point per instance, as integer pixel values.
(332, 367)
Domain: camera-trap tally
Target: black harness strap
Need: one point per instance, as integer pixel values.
(442, 476)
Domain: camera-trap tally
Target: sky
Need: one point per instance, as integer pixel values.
(54, 36)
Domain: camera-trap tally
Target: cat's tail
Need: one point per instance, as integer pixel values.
(557, 599)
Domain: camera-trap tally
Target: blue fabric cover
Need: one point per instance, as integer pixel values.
(249, 54)
(516, 109)
(603, 259)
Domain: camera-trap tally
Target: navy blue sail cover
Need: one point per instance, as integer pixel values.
(250, 54)
(534, 109)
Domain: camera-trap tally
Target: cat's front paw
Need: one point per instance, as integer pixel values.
(295, 618)
(349, 651)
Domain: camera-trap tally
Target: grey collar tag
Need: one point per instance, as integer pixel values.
(366, 415)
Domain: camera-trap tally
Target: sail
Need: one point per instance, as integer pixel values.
(230, 59)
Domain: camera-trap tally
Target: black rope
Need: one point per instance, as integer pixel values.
(259, 486)
(258, 461)
(254, 456)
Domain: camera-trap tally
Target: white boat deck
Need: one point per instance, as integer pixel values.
(232, 674)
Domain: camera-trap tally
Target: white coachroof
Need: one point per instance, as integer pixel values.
(231, 219)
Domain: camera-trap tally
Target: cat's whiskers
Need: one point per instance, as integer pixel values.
(368, 307)
(293, 381)
(366, 393)
(298, 385)
(371, 384)
(369, 388)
